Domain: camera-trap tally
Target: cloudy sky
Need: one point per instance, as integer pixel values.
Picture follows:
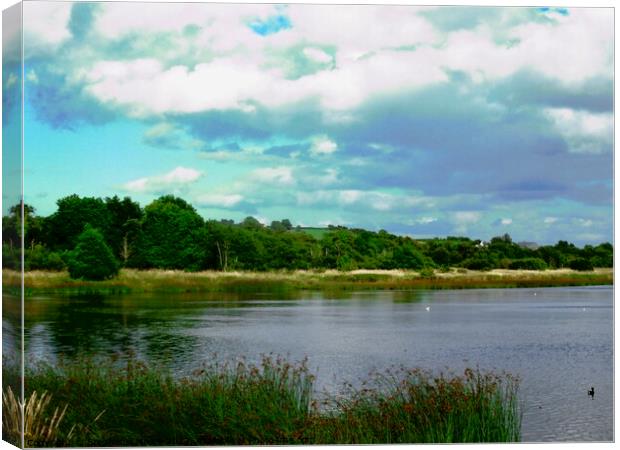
(425, 121)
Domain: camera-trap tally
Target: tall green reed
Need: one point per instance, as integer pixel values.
(125, 402)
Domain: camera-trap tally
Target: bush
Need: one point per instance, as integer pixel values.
(581, 264)
(427, 272)
(602, 261)
(528, 264)
(414, 406)
(92, 259)
(11, 258)
(40, 258)
(478, 263)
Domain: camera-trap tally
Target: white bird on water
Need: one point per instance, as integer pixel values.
(428, 308)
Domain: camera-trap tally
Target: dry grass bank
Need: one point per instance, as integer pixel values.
(130, 280)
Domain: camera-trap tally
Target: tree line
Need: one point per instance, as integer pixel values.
(93, 237)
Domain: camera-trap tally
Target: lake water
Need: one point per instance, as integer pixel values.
(559, 341)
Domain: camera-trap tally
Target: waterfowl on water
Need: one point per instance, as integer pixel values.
(428, 308)
(591, 391)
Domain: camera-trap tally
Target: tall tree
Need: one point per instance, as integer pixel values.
(170, 236)
(124, 216)
(92, 258)
(67, 223)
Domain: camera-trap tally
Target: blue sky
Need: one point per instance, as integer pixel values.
(424, 121)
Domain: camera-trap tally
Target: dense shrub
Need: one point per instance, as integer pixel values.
(603, 260)
(40, 258)
(92, 259)
(528, 264)
(581, 264)
(11, 258)
(478, 263)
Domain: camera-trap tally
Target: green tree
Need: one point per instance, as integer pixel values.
(287, 224)
(123, 216)
(407, 256)
(92, 258)
(581, 264)
(528, 264)
(12, 226)
(338, 249)
(218, 236)
(170, 236)
(73, 213)
(38, 257)
(251, 223)
(280, 225)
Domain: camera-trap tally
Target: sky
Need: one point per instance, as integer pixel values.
(423, 121)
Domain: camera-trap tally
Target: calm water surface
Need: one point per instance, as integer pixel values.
(559, 341)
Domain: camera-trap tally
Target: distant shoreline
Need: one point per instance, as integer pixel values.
(136, 281)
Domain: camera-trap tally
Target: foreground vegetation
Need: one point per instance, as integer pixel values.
(136, 281)
(92, 238)
(126, 403)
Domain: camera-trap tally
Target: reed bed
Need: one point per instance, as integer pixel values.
(127, 403)
(414, 406)
(40, 427)
(136, 281)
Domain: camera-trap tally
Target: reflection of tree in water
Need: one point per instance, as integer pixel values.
(414, 296)
(168, 330)
(78, 327)
(11, 330)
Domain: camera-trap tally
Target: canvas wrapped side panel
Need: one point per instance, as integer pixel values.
(12, 225)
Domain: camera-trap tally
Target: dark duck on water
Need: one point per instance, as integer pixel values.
(591, 392)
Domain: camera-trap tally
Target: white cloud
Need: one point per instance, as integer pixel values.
(550, 220)
(173, 180)
(379, 201)
(467, 216)
(146, 87)
(585, 222)
(316, 54)
(383, 148)
(325, 178)
(427, 220)
(572, 49)
(464, 219)
(236, 80)
(356, 162)
(368, 41)
(349, 196)
(281, 175)
(583, 131)
(159, 130)
(421, 221)
(506, 221)
(322, 145)
(45, 25)
(11, 80)
(359, 29)
(32, 76)
(119, 19)
(219, 200)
